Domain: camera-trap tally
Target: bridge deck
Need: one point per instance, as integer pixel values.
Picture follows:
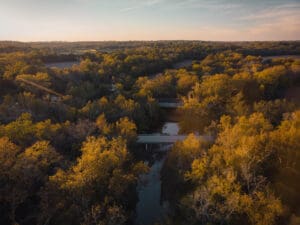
(159, 139)
(163, 139)
(170, 104)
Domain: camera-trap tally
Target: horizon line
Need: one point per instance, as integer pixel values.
(149, 40)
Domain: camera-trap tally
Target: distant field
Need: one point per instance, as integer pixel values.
(62, 65)
(182, 64)
(282, 57)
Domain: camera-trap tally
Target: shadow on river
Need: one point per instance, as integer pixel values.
(150, 207)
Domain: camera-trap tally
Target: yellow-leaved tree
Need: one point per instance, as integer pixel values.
(229, 181)
(98, 187)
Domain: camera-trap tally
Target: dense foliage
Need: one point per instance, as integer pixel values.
(68, 152)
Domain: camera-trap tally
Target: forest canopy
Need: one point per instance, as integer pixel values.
(68, 135)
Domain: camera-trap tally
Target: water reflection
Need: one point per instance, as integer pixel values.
(150, 209)
(170, 128)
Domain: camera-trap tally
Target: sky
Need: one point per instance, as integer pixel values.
(120, 20)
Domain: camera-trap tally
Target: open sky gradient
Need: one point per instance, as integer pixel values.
(97, 20)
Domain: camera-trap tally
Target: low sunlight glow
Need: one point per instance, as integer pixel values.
(87, 20)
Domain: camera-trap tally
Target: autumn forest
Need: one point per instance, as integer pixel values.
(73, 116)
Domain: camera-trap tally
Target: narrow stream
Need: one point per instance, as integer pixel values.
(150, 208)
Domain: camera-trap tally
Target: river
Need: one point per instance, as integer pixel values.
(150, 208)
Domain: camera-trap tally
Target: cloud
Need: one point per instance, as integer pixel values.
(141, 4)
(152, 2)
(284, 10)
(212, 5)
(283, 28)
(163, 19)
(277, 22)
(209, 5)
(127, 9)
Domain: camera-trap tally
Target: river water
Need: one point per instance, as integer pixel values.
(150, 208)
